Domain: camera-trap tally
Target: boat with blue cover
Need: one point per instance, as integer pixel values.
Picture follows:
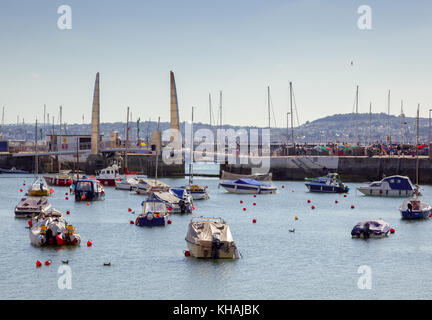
(330, 183)
(246, 185)
(393, 186)
(371, 229)
(155, 213)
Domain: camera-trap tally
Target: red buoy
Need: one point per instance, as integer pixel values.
(51, 190)
(254, 221)
(67, 198)
(68, 212)
(88, 203)
(244, 209)
(352, 207)
(187, 253)
(169, 221)
(129, 209)
(313, 207)
(308, 201)
(47, 263)
(345, 195)
(66, 194)
(283, 187)
(131, 222)
(241, 201)
(21, 190)
(38, 264)
(254, 204)
(193, 208)
(254, 195)
(392, 230)
(83, 197)
(89, 243)
(430, 215)
(336, 201)
(169, 208)
(30, 223)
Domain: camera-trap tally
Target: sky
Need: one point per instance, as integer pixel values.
(239, 47)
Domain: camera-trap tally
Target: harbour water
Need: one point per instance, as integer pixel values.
(317, 261)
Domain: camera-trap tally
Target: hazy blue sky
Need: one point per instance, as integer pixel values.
(236, 46)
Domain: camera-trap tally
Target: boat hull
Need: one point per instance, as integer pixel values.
(205, 251)
(386, 193)
(22, 213)
(107, 182)
(326, 188)
(415, 214)
(154, 222)
(243, 189)
(39, 193)
(58, 181)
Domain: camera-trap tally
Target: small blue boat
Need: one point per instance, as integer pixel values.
(330, 183)
(415, 209)
(155, 213)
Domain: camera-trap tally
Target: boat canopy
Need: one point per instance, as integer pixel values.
(164, 196)
(154, 206)
(399, 183)
(250, 182)
(178, 192)
(204, 231)
(259, 177)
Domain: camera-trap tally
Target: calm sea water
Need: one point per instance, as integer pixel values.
(318, 261)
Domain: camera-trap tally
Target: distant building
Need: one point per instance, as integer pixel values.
(68, 142)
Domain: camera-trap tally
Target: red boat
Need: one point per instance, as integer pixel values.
(58, 180)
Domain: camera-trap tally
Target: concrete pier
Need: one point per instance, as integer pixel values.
(359, 169)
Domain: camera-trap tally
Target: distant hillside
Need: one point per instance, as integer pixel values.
(338, 127)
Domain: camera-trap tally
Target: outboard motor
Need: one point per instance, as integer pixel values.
(366, 231)
(216, 245)
(182, 206)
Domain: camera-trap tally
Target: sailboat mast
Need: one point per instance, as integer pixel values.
(157, 151)
(127, 141)
(356, 111)
(417, 143)
(268, 104)
(220, 109)
(292, 115)
(370, 123)
(191, 150)
(35, 154)
(388, 119)
(210, 109)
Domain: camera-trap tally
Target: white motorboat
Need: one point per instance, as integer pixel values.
(248, 186)
(393, 186)
(210, 238)
(50, 229)
(126, 184)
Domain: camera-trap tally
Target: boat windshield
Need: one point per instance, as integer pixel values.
(84, 186)
(154, 206)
